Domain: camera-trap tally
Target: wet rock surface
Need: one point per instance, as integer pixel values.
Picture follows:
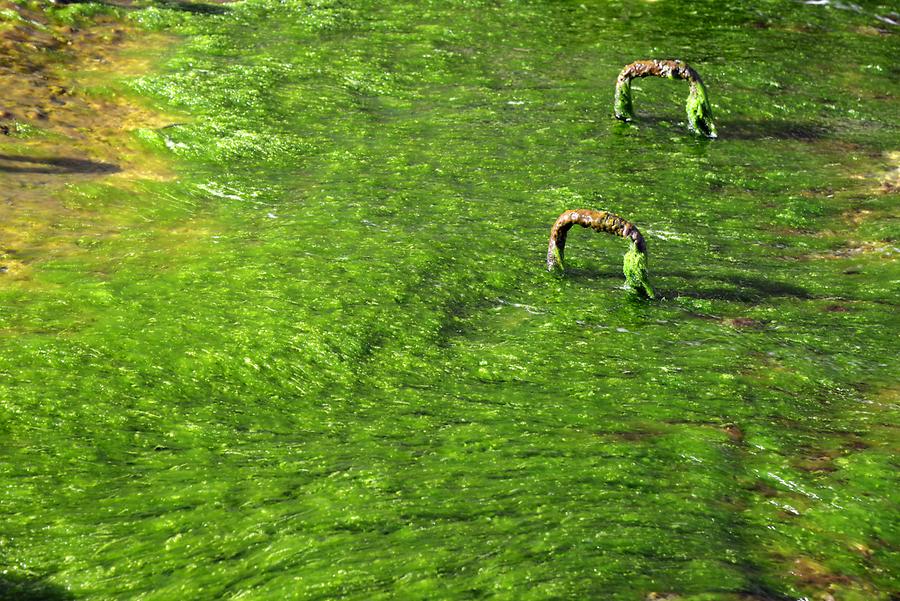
(47, 106)
(64, 119)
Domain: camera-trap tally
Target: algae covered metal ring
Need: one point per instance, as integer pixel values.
(699, 111)
(635, 264)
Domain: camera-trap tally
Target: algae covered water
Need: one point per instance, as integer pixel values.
(321, 357)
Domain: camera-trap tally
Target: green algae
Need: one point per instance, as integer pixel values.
(332, 366)
(558, 265)
(623, 101)
(635, 268)
(699, 111)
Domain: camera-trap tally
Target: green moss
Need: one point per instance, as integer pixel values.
(558, 266)
(699, 111)
(81, 13)
(623, 103)
(25, 130)
(635, 268)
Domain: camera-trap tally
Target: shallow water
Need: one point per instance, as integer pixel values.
(324, 359)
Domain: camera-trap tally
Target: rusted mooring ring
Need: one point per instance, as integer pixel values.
(699, 111)
(635, 264)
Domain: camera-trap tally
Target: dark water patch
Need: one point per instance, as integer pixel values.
(744, 288)
(582, 274)
(661, 124)
(735, 129)
(745, 129)
(202, 8)
(54, 165)
(198, 8)
(14, 587)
